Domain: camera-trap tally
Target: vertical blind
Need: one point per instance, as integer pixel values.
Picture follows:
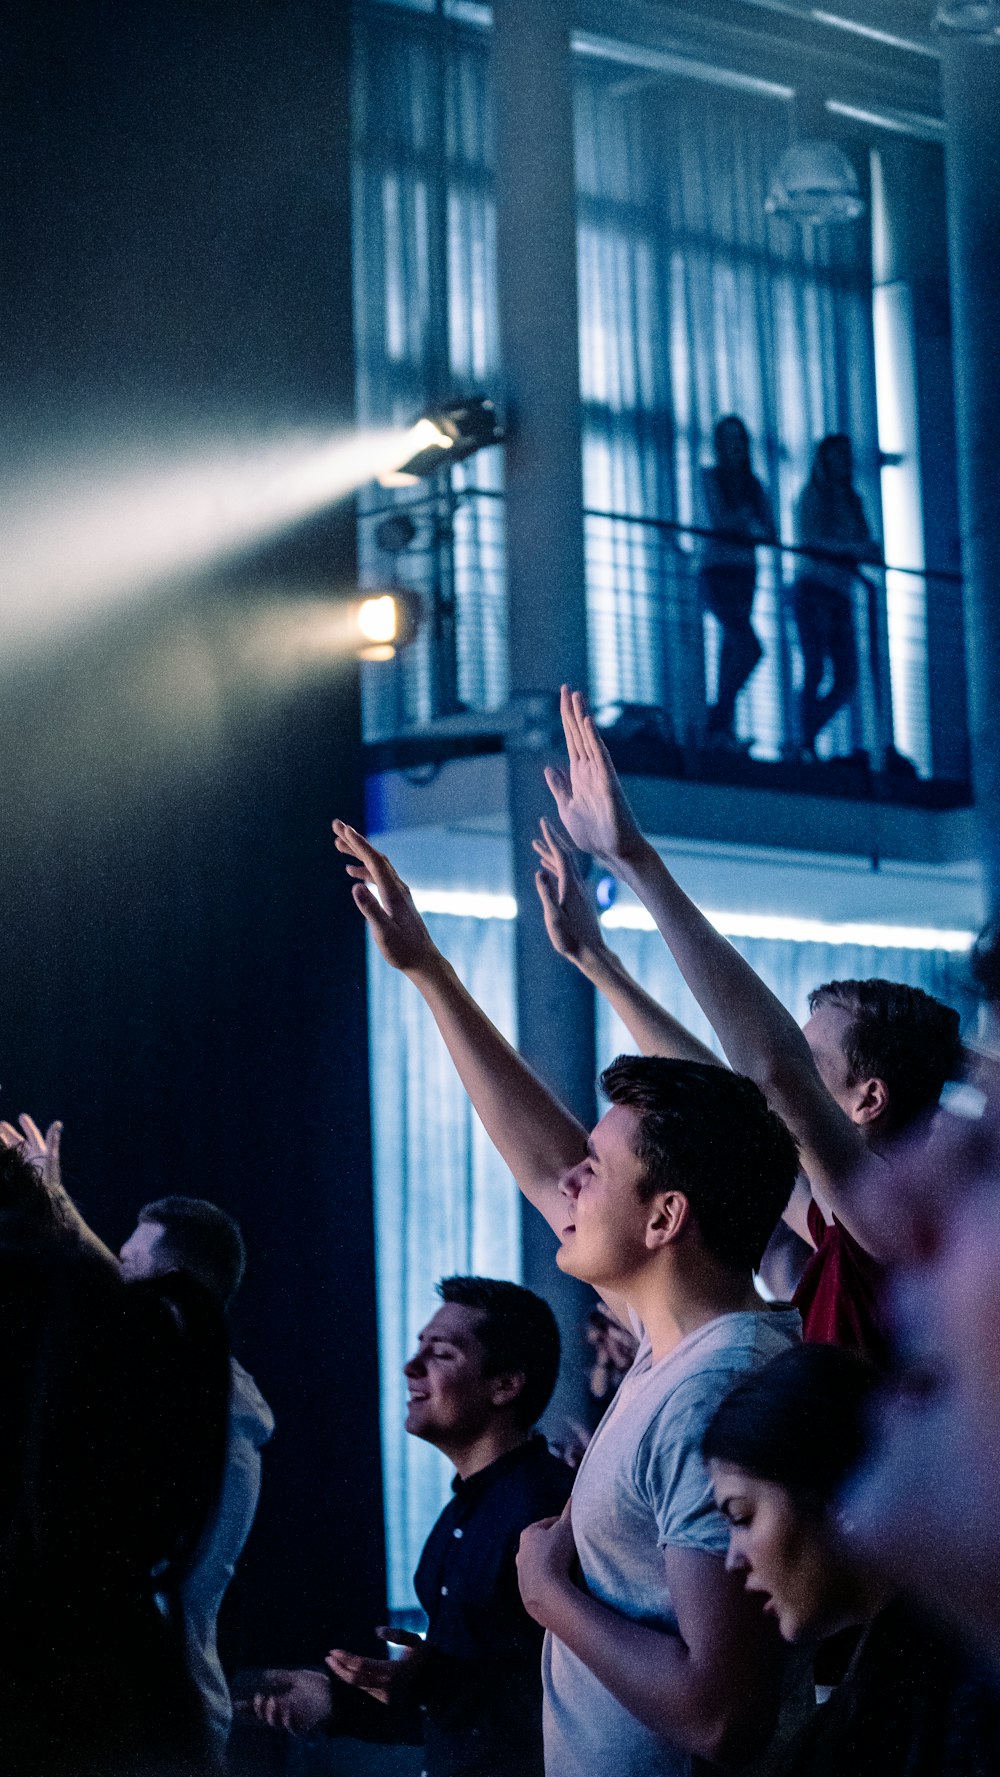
(694, 304)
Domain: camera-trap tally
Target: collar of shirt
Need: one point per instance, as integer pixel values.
(474, 1486)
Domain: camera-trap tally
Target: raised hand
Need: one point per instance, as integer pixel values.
(299, 1702)
(570, 916)
(394, 922)
(385, 1680)
(40, 1151)
(589, 797)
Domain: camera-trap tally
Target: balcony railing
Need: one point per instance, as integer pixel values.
(655, 653)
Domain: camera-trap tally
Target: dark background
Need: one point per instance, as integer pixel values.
(181, 970)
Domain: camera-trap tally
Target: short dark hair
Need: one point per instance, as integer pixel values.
(26, 1209)
(202, 1239)
(799, 1421)
(900, 1035)
(709, 1133)
(518, 1333)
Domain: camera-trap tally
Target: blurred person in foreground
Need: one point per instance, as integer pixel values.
(913, 1702)
(926, 1504)
(111, 1449)
(482, 1375)
(190, 1238)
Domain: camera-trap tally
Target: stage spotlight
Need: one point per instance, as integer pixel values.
(386, 621)
(446, 436)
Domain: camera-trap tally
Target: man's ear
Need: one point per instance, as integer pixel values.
(670, 1214)
(872, 1101)
(506, 1387)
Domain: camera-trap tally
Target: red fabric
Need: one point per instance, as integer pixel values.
(839, 1293)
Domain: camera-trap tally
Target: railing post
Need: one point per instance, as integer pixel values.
(971, 90)
(536, 271)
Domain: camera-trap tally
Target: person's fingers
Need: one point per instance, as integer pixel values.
(400, 1637)
(53, 1144)
(559, 784)
(585, 726)
(347, 1666)
(9, 1136)
(571, 726)
(597, 749)
(367, 904)
(554, 839)
(380, 871)
(360, 872)
(564, 875)
(31, 1130)
(545, 884)
(546, 853)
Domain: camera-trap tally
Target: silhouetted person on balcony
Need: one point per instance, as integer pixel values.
(739, 517)
(831, 518)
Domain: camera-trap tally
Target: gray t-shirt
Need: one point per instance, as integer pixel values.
(642, 1487)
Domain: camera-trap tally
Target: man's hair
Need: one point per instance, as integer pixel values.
(900, 1035)
(799, 1421)
(26, 1209)
(518, 1334)
(709, 1133)
(199, 1238)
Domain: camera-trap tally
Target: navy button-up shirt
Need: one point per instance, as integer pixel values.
(483, 1704)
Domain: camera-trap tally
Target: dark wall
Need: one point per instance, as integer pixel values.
(181, 970)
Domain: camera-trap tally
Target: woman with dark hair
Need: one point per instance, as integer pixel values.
(739, 517)
(913, 1703)
(832, 521)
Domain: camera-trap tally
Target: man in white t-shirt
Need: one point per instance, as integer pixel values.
(661, 1658)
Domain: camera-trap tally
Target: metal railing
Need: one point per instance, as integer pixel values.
(655, 648)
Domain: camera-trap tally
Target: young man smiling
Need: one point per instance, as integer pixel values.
(659, 1657)
(482, 1374)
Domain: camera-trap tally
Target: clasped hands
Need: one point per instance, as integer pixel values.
(547, 1565)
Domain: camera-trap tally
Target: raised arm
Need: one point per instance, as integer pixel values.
(575, 932)
(759, 1036)
(56, 1211)
(533, 1133)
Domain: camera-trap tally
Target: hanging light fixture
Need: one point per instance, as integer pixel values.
(969, 18)
(448, 435)
(815, 182)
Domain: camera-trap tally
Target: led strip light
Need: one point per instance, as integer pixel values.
(466, 904)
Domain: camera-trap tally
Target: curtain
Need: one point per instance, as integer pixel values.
(444, 1203)
(693, 304)
(791, 970)
(424, 251)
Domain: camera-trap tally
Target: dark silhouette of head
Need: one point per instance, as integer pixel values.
(191, 1235)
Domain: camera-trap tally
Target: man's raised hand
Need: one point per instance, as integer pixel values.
(589, 797)
(386, 1680)
(393, 920)
(40, 1151)
(570, 916)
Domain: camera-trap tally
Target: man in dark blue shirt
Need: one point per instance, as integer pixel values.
(482, 1374)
